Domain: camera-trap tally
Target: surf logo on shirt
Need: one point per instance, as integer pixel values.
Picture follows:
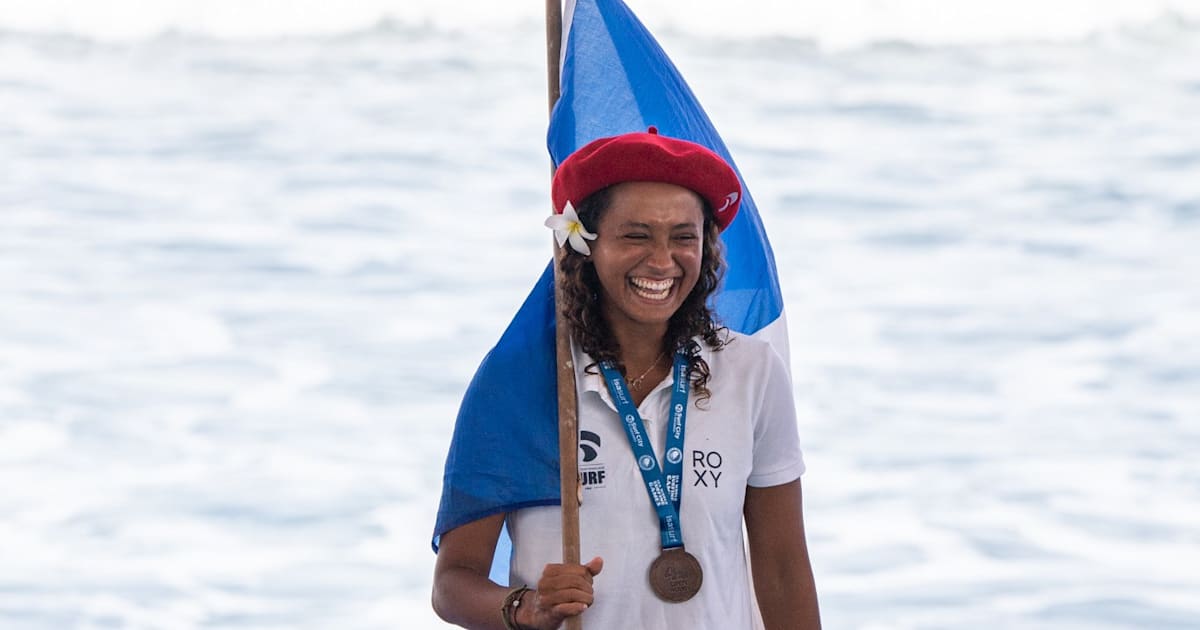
(589, 443)
(591, 471)
(706, 467)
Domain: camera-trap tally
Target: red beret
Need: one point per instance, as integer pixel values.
(648, 157)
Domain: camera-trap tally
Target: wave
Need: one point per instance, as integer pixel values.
(846, 24)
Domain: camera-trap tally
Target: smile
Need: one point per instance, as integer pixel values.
(652, 289)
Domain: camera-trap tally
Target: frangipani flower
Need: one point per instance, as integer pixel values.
(568, 227)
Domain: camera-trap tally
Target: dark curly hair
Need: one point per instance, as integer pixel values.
(590, 327)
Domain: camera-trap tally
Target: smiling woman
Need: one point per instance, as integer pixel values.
(651, 248)
(636, 295)
(661, 204)
(647, 264)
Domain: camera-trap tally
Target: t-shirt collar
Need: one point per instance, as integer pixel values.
(594, 381)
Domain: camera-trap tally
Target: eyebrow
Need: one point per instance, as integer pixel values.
(639, 224)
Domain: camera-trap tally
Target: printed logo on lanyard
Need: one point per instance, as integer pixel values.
(662, 483)
(675, 575)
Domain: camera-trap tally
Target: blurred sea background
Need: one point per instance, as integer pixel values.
(251, 253)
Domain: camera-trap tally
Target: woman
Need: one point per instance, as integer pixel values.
(688, 430)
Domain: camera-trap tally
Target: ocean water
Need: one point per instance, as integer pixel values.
(247, 269)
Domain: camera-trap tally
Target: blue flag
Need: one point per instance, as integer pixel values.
(615, 79)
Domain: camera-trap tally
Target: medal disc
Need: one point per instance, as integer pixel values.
(675, 575)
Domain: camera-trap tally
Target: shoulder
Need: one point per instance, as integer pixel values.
(751, 362)
(741, 350)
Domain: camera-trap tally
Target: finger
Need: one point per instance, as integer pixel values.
(570, 569)
(595, 565)
(552, 597)
(563, 574)
(570, 610)
(578, 576)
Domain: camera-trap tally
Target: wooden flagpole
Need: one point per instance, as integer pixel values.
(568, 421)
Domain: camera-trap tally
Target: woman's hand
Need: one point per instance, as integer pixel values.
(564, 590)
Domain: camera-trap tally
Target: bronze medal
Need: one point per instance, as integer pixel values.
(675, 575)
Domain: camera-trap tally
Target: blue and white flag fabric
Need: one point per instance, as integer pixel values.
(615, 79)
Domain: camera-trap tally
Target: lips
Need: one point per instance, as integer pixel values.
(652, 289)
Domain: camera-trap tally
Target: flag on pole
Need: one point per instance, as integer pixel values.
(615, 79)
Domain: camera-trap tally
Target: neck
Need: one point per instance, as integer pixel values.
(642, 353)
(641, 344)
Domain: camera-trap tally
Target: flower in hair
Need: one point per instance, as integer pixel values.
(568, 227)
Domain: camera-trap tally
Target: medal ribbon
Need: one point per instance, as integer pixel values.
(663, 484)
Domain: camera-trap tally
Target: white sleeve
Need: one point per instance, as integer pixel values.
(777, 456)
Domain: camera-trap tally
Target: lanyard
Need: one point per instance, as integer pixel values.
(664, 484)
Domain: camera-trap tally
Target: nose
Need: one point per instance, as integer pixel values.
(660, 255)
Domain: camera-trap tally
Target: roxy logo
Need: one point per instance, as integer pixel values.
(706, 465)
(730, 199)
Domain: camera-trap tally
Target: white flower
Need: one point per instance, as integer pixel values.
(567, 227)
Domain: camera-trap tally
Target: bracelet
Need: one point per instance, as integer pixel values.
(508, 612)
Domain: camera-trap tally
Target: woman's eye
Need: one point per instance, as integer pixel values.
(636, 236)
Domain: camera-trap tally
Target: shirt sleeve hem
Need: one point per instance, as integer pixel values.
(777, 478)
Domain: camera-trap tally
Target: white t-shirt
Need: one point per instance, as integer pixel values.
(745, 434)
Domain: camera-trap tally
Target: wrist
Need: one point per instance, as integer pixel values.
(513, 612)
(523, 614)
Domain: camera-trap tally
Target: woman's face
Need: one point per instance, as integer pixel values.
(647, 253)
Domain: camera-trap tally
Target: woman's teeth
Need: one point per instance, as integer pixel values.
(652, 289)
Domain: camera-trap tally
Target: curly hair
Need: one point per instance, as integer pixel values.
(582, 309)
